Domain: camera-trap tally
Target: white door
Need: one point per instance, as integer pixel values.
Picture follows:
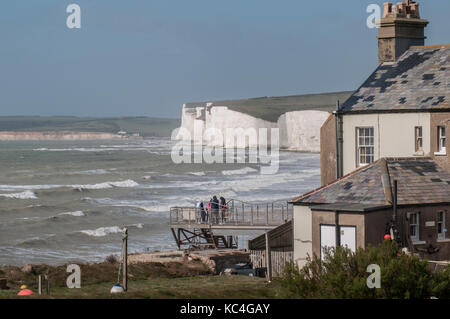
(348, 237)
(327, 238)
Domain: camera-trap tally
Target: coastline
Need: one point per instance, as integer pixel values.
(58, 135)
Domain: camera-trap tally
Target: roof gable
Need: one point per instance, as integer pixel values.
(418, 81)
(420, 181)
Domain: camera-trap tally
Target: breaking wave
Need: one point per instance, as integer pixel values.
(75, 214)
(23, 195)
(242, 171)
(123, 184)
(104, 231)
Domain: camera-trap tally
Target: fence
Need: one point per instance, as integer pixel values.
(279, 260)
(238, 213)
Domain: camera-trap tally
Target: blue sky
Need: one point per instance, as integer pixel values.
(148, 57)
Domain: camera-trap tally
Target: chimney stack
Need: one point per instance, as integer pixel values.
(400, 28)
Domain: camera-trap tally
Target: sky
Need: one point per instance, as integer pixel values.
(148, 57)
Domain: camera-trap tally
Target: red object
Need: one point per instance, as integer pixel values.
(25, 292)
(387, 237)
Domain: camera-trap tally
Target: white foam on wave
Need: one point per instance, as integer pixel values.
(145, 205)
(197, 173)
(123, 184)
(242, 171)
(23, 195)
(91, 172)
(104, 231)
(75, 214)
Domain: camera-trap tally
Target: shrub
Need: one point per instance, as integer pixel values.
(342, 274)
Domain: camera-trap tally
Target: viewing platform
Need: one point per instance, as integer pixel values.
(188, 227)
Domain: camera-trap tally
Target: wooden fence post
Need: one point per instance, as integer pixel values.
(40, 285)
(47, 278)
(125, 258)
(268, 258)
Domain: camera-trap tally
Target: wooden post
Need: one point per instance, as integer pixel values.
(268, 259)
(47, 278)
(125, 258)
(40, 285)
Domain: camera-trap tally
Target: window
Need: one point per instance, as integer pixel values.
(441, 139)
(365, 145)
(418, 139)
(441, 225)
(414, 226)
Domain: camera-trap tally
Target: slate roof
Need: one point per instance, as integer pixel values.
(418, 81)
(420, 181)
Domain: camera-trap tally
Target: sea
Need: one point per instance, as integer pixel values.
(68, 201)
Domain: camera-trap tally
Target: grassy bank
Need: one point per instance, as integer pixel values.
(195, 287)
(178, 280)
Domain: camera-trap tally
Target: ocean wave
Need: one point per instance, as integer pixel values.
(123, 184)
(197, 173)
(23, 195)
(104, 231)
(145, 205)
(242, 171)
(75, 214)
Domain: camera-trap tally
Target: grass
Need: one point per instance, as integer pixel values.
(196, 287)
(177, 280)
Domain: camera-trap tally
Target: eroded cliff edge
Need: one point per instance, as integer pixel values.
(298, 118)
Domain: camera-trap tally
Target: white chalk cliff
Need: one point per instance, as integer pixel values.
(298, 130)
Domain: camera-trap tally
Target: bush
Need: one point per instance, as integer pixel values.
(342, 274)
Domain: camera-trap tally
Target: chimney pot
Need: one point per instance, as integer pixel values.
(400, 28)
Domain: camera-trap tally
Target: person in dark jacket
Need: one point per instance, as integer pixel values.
(215, 209)
(223, 208)
(204, 216)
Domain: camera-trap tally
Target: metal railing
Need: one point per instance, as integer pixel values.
(237, 213)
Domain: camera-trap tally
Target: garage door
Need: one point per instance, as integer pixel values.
(348, 237)
(328, 237)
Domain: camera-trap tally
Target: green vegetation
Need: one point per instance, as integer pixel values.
(195, 287)
(343, 275)
(188, 280)
(145, 126)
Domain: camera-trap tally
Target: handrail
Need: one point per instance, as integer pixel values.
(237, 213)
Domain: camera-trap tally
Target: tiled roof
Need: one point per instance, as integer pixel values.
(419, 180)
(419, 80)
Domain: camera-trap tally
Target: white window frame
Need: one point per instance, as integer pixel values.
(442, 140)
(441, 223)
(418, 148)
(369, 156)
(416, 237)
